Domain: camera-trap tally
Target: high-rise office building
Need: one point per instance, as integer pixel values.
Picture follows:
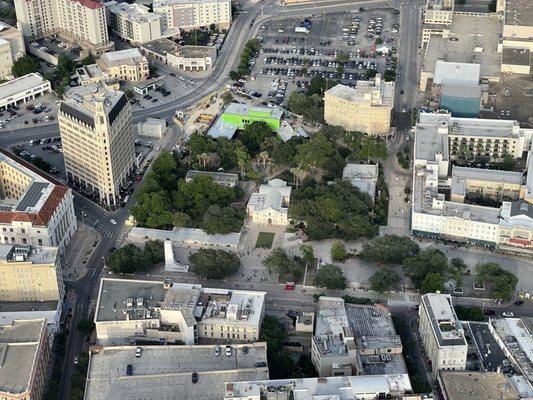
(98, 143)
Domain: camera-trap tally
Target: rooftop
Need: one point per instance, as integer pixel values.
(275, 195)
(187, 237)
(447, 328)
(456, 73)
(460, 176)
(161, 46)
(22, 84)
(134, 12)
(13, 253)
(259, 111)
(121, 300)
(362, 176)
(518, 12)
(128, 56)
(216, 176)
(461, 91)
(83, 108)
(331, 388)
(374, 333)
(166, 371)
(516, 57)
(475, 42)
(477, 386)
(19, 343)
(196, 51)
(161, 3)
(516, 334)
(39, 201)
(376, 92)
(333, 334)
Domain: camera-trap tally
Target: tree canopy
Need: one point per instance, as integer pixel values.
(427, 261)
(338, 251)
(222, 219)
(254, 134)
(433, 283)
(335, 210)
(331, 277)
(214, 264)
(310, 107)
(164, 200)
(130, 258)
(503, 282)
(279, 261)
(314, 152)
(25, 65)
(389, 249)
(385, 280)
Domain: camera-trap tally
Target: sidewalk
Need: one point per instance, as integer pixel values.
(78, 252)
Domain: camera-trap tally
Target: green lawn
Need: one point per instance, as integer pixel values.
(264, 240)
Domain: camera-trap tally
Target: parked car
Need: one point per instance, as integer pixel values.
(194, 377)
(228, 351)
(508, 314)
(518, 302)
(217, 350)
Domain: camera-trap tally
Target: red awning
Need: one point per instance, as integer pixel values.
(523, 242)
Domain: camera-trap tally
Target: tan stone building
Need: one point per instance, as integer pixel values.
(125, 65)
(365, 108)
(29, 274)
(11, 48)
(25, 360)
(191, 14)
(134, 23)
(442, 333)
(98, 148)
(80, 21)
(34, 209)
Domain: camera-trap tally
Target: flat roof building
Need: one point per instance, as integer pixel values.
(22, 89)
(24, 361)
(351, 339)
(188, 237)
(150, 310)
(11, 49)
(334, 388)
(191, 14)
(220, 178)
(515, 338)
(134, 23)
(193, 58)
(236, 116)
(473, 385)
(362, 176)
(98, 144)
(471, 39)
(117, 373)
(366, 107)
(35, 209)
(442, 333)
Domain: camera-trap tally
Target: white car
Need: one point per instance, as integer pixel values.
(113, 221)
(508, 314)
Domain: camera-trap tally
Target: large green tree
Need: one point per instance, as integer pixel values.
(338, 251)
(278, 260)
(25, 65)
(433, 283)
(214, 264)
(331, 277)
(130, 258)
(385, 280)
(222, 219)
(503, 282)
(427, 261)
(389, 249)
(254, 134)
(335, 210)
(315, 152)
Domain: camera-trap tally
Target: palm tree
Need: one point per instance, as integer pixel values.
(263, 158)
(297, 173)
(243, 160)
(202, 159)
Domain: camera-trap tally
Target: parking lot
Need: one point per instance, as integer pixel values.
(38, 111)
(344, 47)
